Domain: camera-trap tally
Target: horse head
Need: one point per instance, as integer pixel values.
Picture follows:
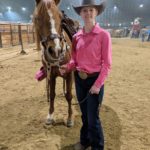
(47, 21)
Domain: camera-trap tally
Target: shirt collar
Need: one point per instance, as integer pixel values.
(96, 29)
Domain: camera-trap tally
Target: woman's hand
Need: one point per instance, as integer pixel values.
(94, 90)
(63, 69)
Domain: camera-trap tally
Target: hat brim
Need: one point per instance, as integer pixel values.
(100, 8)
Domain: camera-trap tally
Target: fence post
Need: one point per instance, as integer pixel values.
(33, 33)
(28, 33)
(38, 46)
(20, 39)
(1, 44)
(11, 35)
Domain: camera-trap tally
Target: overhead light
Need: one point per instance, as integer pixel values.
(68, 8)
(23, 9)
(115, 7)
(9, 8)
(141, 5)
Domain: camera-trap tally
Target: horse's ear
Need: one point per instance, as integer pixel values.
(57, 1)
(37, 1)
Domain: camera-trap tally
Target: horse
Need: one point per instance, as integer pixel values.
(56, 51)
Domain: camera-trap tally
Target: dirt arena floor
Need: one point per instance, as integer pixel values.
(125, 112)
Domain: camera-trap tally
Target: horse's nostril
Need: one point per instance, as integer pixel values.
(50, 50)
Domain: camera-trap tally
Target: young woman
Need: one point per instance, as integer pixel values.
(91, 62)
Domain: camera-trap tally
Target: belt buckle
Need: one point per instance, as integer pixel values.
(82, 75)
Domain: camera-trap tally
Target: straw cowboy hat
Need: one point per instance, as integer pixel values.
(85, 3)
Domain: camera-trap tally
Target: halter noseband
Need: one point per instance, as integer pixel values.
(52, 37)
(55, 61)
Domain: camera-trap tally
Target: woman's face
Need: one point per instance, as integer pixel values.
(88, 14)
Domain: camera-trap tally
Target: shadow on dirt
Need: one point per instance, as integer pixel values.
(112, 131)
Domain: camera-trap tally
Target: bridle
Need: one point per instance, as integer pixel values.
(51, 37)
(67, 26)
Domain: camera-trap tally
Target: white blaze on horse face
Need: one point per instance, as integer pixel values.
(53, 31)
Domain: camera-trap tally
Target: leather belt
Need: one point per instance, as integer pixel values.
(84, 75)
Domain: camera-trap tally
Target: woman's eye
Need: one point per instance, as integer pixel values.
(91, 10)
(84, 10)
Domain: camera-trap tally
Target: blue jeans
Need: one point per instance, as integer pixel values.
(91, 132)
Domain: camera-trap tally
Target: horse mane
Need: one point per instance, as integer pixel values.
(41, 7)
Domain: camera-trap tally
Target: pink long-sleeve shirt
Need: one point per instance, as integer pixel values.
(92, 52)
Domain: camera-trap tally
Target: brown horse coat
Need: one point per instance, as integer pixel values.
(56, 51)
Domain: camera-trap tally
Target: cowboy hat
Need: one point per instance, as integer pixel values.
(85, 3)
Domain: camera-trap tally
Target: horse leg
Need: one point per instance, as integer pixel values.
(50, 119)
(68, 96)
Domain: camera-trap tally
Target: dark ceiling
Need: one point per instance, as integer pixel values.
(124, 13)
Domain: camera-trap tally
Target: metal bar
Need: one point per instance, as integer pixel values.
(20, 39)
(1, 44)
